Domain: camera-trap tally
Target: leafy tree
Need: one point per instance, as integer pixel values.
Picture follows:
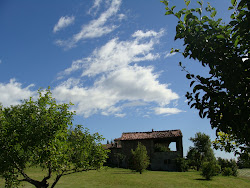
(140, 158)
(40, 133)
(201, 151)
(224, 95)
(243, 161)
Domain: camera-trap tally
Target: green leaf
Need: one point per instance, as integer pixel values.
(233, 2)
(220, 36)
(192, 83)
(188, 76)
(200, 3)
(178, 15)
(213, 14)
(173, 7)
(165, 2)
(187, 3)
(169, 12)
(230, 8)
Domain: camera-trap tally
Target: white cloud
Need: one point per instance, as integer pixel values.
(140, 34)
(120, 115)
(166, 111)
(116, 54)
(131, 83)
(63, 22)
(0, 61)
(119, 82)
(121, 17)
(96, 28)
(95, 7)
(12, 93)
(168, 54)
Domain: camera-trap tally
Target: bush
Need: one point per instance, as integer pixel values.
(140, 159)
(181, 165)
(210, 169)
(225, 163)
(227, 171)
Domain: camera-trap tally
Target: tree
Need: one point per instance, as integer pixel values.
(201, 151)
(243, 161)
(140, 158)
(40, 133)
(224, 95)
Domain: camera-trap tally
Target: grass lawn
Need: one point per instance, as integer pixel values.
(114, 177)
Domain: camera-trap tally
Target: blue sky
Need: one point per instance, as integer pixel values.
(110, 58)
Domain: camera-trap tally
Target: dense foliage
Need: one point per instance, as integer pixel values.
(228, 167)
(181, 164)
(161, 148)
(140, 159)
(201, 152)
(243, 161)
(40, 133)
(210, 169)
(224, 95)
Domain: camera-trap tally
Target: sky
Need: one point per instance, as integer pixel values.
(110, 58)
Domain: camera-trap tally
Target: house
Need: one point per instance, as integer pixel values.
(159, 160)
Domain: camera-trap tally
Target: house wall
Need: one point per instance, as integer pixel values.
(164, 160)
(158, 160)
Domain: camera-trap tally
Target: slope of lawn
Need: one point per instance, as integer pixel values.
(114, 177)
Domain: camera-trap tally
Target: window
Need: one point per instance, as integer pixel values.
(167, 161)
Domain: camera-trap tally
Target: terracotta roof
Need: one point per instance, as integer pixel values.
(150, 135)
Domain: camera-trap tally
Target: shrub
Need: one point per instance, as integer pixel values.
(225, 163)
(210, 169)
(181, 165)
(161, 148)
(140, 159)
(227, 171)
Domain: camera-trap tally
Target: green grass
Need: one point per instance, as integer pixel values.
(114, 177)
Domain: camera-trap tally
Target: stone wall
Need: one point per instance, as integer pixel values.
(158, 160)
(164, 160)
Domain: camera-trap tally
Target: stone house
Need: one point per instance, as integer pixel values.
(159, 160)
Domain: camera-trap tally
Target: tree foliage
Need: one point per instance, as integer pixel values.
(201, 151)
(40, 133)
(228, 167)
(224, 95)
(181, 164)
(140, 159)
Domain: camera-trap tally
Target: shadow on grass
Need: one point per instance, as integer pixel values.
(201, 179)
(124, 172)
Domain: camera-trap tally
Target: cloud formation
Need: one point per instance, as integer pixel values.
(166, 111)
(128, 84)
(95, 28)
(12, 93)
(95, 7)
(119, 82)
(63, 22)
(116, 54)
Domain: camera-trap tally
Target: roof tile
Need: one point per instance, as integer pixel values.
(150, 135)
